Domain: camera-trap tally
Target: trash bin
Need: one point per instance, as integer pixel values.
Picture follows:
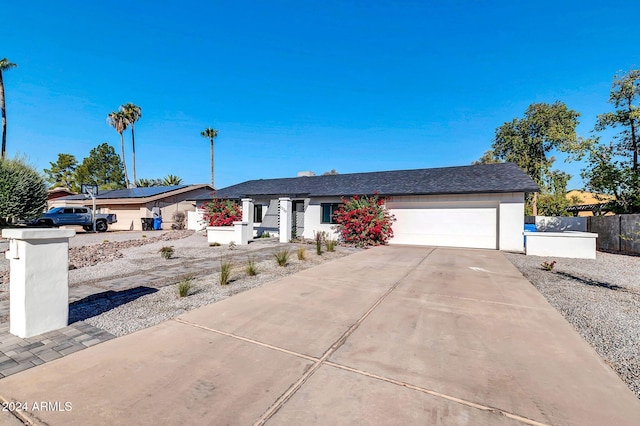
(531, 227)
(157, 223)
(147, 223)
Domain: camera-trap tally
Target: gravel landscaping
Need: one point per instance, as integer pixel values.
(95, 258)
(164, 304)
(601, 299)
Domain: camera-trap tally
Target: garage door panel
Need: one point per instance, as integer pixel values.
(460, 226)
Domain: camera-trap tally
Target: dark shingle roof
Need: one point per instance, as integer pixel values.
(130, 192)
(481, 178)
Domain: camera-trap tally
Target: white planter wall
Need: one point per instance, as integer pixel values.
(576, 245)
(221, 234)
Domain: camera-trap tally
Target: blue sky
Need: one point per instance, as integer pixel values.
(301, 85)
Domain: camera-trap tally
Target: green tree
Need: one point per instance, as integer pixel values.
(553, 195)
(23, 193)
(489, 157)
(172, 180)
(608, 173)
(613, 169)
(118, 121)
(132, 113)
(102, 167)
(62, 172)
(529, 141)
(211, 134)
(4, 66)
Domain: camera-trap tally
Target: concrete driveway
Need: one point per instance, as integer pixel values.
(392, 335)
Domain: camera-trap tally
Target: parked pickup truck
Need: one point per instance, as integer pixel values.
(80, 216)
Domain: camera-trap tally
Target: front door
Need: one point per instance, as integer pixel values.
(297, 227)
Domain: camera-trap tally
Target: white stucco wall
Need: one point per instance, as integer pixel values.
(572, 244)
(313, 217)
(511, 221)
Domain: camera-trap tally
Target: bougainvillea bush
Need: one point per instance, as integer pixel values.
(222, 212)
(364, 221)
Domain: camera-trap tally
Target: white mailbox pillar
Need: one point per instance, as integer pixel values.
(247, 211)
(39, 280)
(247, 219)
(285, 219)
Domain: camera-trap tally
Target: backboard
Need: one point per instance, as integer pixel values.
(88, 189)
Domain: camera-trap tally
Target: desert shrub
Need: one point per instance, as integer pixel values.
(214, 244)
(302, 253)
(184, 286)
(548, 266)
(282, 257)
(330, 244)
(179, 220)
(225, 271)
(364, 221)
(232, 245)
(318, 238)
(265, 234)
(166, 252)
(222, 212)
(251, 268)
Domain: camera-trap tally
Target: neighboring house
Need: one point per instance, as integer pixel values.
(480, 206)
(585, 203)
(132, 204)
(60, 192)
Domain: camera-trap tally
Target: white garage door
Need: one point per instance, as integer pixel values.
(459, 224)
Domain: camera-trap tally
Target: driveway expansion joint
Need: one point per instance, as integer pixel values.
(437, 394)
(279, 403)
(246, 339)
(472, 299)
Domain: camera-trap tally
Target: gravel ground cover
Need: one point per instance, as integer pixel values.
(88, 249)
(600, 298)
(131, 255)
(153, 307)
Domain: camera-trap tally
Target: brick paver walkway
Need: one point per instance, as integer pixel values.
(17, 354)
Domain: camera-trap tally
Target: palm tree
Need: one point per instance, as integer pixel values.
(132, 113)
(118, 121)
(145, 183)
(4, 66)
(210, 133)
(172, 180)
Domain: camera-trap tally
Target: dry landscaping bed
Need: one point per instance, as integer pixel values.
(123, 312)
(600, 298)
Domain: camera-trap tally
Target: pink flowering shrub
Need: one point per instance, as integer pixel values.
(222, 212)
(364, 221)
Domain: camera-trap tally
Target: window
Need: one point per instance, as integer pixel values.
(67, 211)
(257, 213)
(82, 210)
(328, 209)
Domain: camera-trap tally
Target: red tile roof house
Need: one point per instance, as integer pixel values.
(133, 204)
(478, 206)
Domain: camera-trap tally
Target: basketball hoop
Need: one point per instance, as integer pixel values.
(91, 191)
